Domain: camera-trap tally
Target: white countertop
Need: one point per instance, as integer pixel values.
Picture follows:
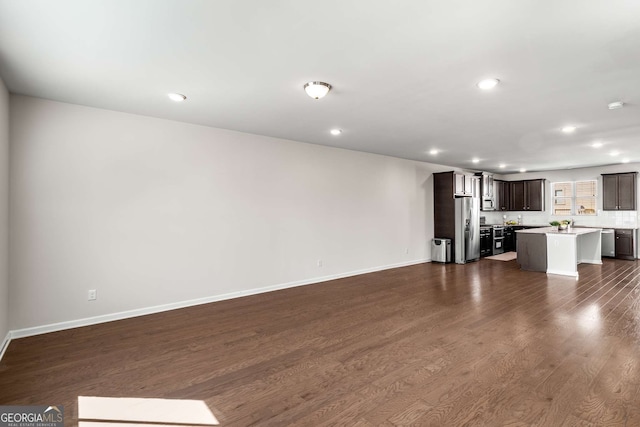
(577, 226)
(552, 230)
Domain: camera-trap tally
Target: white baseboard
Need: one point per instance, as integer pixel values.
(53, 327)
(5, 344)
(590, 261)
(563, 273)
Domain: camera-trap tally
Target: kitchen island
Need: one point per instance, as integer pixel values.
(558, 252)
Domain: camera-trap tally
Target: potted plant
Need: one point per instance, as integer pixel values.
(564, 224)
(555, 224)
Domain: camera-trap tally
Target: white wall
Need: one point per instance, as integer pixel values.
(150, 212)
(601, 219)
(4, 212)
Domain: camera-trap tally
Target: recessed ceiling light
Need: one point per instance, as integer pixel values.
(487, 84)
(433, 152)
(475, 160)
(317, 90)
(616, 105)
(614, 153)
(569, 129)
(596, 144)
(625, 160)
(336, 132)
(177, 97)
(502, 166)
(523, 170)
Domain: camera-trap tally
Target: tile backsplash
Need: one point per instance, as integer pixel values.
(613, 219)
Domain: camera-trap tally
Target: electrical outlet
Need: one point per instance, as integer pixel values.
(319, 263)
(92, 295)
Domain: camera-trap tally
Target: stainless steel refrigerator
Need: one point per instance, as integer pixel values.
(467, 224)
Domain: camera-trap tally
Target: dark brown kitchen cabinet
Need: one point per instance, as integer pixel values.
(502, 195)
(444, 189)
(534, 194)
(516, 202)
(619, 191)
(527, 195)
(532, 252)
(625, 244)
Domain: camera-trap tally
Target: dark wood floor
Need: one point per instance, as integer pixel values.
(481, 344)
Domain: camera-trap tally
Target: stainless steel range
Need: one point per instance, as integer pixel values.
(492, 238)
(497, 236)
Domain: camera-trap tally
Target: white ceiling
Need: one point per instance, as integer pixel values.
(404, 72)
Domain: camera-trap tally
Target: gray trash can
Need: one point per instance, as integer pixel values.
(441, 250)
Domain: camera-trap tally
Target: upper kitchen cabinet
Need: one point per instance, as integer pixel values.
(464, 184)
(534, 194)
(503, 195)
(516, 199)
(455, 183)
(619, 191)
(487, 191)
(527, 195)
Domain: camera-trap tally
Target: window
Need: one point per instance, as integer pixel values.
(574, 198)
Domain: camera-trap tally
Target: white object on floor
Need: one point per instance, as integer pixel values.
(133, 409)
(507, 256)
(127, 424)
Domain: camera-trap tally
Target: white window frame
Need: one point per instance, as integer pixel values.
(571, 200)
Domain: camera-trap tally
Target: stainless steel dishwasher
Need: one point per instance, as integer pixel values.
(608, 242)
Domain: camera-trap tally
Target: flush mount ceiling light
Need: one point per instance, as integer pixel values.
(614, 153)
(177, 97)
(487, 84)
(523, 170)
(625, 160)
(616, 105)
(317, 90)
(335, 132)
(502, 166)
(433, 152)
(596, 144)
(569, 129)
(475, 160)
